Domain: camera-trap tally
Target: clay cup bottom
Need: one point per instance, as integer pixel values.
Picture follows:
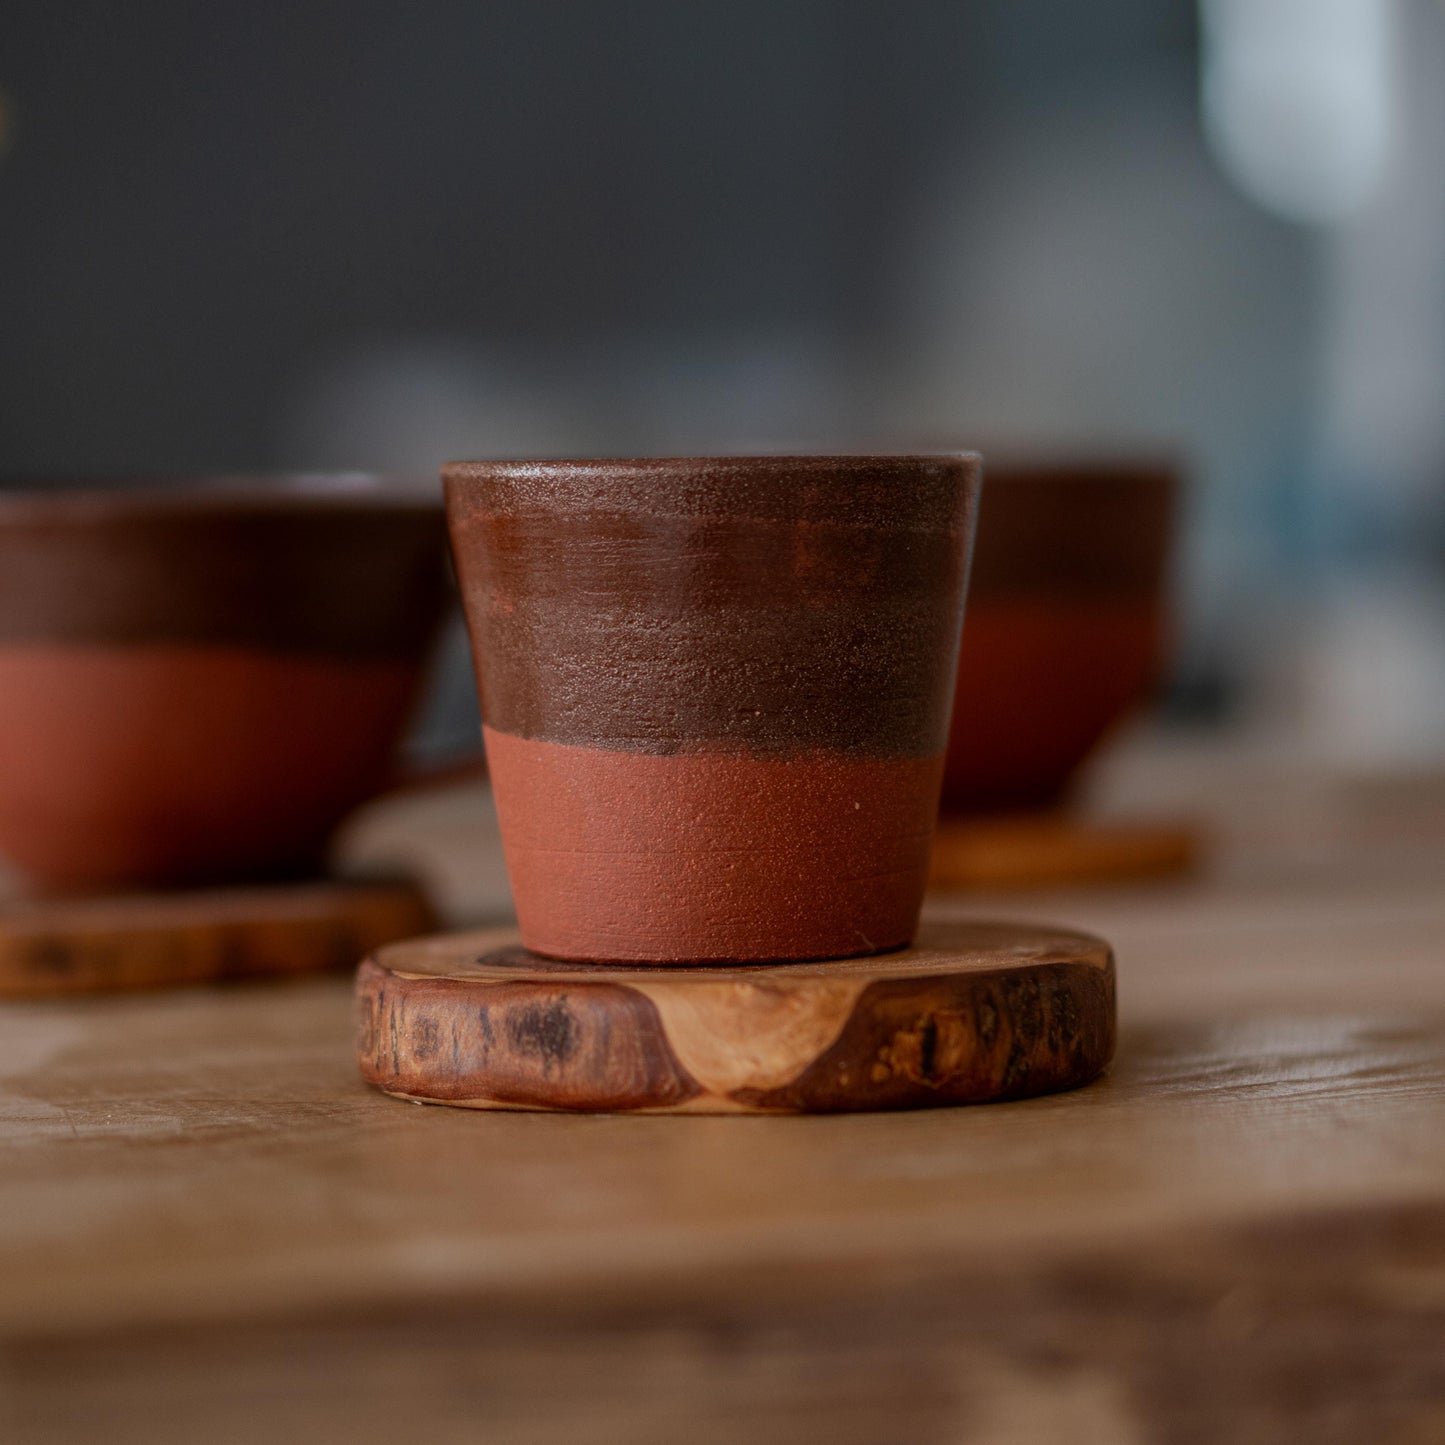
(1041, 683)
(712, 856)
(178, 763)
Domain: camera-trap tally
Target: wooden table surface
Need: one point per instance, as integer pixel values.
(210, 1230)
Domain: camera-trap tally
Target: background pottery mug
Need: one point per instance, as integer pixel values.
(715, 694)
(198, 681)
(1066, 624)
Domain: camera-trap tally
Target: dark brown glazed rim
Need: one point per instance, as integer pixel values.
(1094, 527)
(89, 499)
(763, 603)
(344, 565)
(596, 481)
(827, 463)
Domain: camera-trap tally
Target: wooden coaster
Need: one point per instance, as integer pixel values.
(94, 945)
(971, 1012)
(1036, 850)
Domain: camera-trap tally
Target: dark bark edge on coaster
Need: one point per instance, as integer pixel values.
(972, 1012)
(51, 947)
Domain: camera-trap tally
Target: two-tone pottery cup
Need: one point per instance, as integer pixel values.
(1066, 625)
(716, 694)
(199, 680)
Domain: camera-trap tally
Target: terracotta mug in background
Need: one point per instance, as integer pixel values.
(199, 681)
(1066, 624)
(716, 694)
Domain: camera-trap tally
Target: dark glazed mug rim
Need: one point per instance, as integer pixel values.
(804, 488)
(339, 564)
(776, 463)
(606, 599)
(90, 499)
(830, 460)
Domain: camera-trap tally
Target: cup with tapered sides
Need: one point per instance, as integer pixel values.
(716, 694)
(201, 677)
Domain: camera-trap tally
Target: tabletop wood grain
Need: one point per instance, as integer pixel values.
(211, 1229)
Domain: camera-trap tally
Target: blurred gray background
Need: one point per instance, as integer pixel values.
(371, 235)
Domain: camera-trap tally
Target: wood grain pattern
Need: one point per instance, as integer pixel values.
(210, 1229)
(972, 1012)
(158, 940)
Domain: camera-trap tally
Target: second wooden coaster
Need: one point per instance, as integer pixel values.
(1053, 849)
(972, 1012)
(159, 940)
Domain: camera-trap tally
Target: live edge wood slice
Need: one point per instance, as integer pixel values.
(971, 1012)
(156, 940)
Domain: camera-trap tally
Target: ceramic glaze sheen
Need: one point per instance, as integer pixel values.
(716, 694)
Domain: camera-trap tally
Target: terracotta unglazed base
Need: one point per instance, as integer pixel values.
(708, 855)
(169, 764)
(159, 940)
(970, 1013)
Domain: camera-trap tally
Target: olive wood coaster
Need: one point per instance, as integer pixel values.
(1039, 850)
(94, 945)
(970, 1013)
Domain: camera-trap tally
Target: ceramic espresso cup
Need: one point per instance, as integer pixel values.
(1066, 625)
(199, 680)
(716, 694)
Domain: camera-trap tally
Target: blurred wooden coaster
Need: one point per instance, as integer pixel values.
(1032, 851)
(972, 1012)
(96, 945)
